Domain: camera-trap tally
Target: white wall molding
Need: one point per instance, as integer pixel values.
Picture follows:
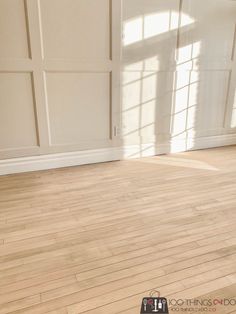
(46, 75)
(52, 161)
(215, 141)
(177, 145)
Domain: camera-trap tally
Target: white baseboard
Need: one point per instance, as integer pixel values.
(178, 145)
(52, 161)
(202, 142)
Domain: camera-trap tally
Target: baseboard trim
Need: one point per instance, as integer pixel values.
(52, 161)
(178, 145)
(203, 142)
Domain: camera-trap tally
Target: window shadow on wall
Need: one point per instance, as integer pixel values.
(164, 91)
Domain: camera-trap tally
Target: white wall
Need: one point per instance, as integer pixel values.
(59, 79)
(179, 74)
(59, 76)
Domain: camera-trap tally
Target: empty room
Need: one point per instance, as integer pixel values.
(117, 156)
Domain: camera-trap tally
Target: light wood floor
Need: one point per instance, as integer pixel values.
(96, 239)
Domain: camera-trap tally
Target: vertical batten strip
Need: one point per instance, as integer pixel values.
(27, 29)
(35, 109)
(230, 89)
(234, 43)
(33, 9)
(227, 100)
(110, 30)
(116, 31)
(178, 30)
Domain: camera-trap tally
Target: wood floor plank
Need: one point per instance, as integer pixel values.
(96, 239)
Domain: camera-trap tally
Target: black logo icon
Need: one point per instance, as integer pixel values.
(153, 304)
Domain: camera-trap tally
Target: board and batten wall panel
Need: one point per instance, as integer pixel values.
(73, 29)
(207, 49)
(179, 69)
(59, 76)
(18, 117)
(13, 30)
(60, 65)
(78, 95)
(17, 111)
(74, 122)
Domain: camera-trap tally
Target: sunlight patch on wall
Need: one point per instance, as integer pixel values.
(139, 104)
(151, 25)
(156, 24)
(186, 20)
(148, 64)
(133, 31)
(187, 55)
(185, 99)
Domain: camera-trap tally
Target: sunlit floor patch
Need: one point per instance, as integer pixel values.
(179, 162)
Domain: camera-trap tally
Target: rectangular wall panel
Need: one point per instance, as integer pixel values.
(78, 29)
(79, 107)
(147, 98)
(211, 99)
(17, 112)
(212, 30)
(199, 102)
(13, 29)
(150, 34)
